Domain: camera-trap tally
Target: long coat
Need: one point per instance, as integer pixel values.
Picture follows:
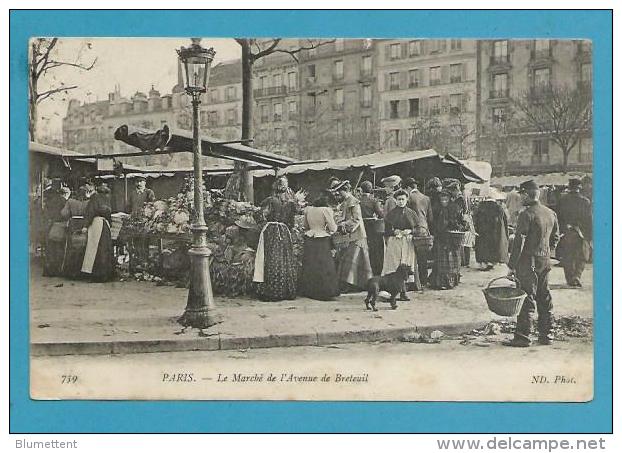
(491, 225)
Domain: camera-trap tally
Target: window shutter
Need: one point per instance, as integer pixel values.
(464, 99)
(387, 52)
(403, 108)
(445, 103)
(387, 110)
(387, 78)
(404, 49)
(464, 71)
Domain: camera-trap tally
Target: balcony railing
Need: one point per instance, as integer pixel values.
(435, 82)
(277, 117)
(413, 84)
(265, 119)
(366, 72)
(540, 159)
(270, 91)
(542, 54)
(338, 106)
(455, 79)
(394, 86)
(499, 59)
(338, 76)
(500, 94)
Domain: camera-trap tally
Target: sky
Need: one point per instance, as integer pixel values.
(133, 63)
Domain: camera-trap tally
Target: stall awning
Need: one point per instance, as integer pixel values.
(371, 161)
(551, 179)
(471, 171)
(40, 148)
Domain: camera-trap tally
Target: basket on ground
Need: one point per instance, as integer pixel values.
(456, 238)
(504, 300)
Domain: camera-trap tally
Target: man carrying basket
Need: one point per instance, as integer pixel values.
(537, 232)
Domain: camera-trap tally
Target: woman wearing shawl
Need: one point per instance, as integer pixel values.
(446, 268)
(98, 262)
(275, 264)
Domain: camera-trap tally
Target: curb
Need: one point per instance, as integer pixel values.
(220, 342)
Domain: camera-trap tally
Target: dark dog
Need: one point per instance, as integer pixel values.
(391, 283)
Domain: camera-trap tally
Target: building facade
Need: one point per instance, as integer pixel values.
(428, 95)
(530, 71)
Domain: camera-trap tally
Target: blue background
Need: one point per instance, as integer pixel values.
(77, 416)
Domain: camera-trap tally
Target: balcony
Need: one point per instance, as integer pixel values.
(413, 84)
(310, 81)
(434, 82)
(270, 91)
(540, 159)
(455, 79)
(499, 59)
(541, 55)
(454, 111)
(265, 118)
(366, 73)
(338, 106)
(276, 117)
(337, 77)
(394, 86)
(499, 94)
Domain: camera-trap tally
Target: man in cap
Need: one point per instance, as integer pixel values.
(575, 221)
(391, 184)
(537, 232)
(139, 196)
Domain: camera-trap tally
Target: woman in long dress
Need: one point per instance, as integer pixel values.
(492, 241)
(73, 212)
(275, 264)
(98, 262)
(447, 255)
(399, 225)
(318, 279)
(353, 266)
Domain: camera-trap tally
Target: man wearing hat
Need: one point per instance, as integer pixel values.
(422, 206)
(536, 235)
(372, 212)
(139, 196)
(575, 219)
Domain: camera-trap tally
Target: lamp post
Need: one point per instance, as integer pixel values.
(200, 309)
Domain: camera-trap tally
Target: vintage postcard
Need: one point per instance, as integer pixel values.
(311, 219)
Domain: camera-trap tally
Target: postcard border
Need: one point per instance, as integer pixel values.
(28, 416)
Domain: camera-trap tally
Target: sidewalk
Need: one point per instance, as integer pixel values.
(70, 317)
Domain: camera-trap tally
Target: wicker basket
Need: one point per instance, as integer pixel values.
(456, 238)
(504, 300)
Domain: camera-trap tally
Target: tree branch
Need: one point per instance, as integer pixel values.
(46, 56)
(47, 94)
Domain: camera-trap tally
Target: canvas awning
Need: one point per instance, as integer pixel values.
(471, 170)
(371, 161)
(552, 179)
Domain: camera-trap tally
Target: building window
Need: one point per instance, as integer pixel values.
(541, 81)
(456, 44)
(413, 78)
(395, 51)
(264, 114)
(338, 72)
(413, 107)
(231, 117)
(540, 152)
(586, 75)
(394, 81)
(394, 138)
(455, 104)
(339, 128)
(414, 48)
(435, 105)
(500, 51)
(435, 75)
(278, 135)
(339, 43)
(278, 112)
(455, 73)
(292, 84)
(278, 80)
(338, 99)
(437, 45)
(498, 115)
(213, 96)
(203, 119)
(212, 118)
(230, 93)
(311, 70)
(292, 108)
(499, 86)
(366, 102)
(263, 82)
(365, 124)
(292, 133)
(542, 48)
(394, 109)
(366, 65)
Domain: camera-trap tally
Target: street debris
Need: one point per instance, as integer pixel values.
(417, 337)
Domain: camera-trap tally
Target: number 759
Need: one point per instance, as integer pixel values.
(69, 379)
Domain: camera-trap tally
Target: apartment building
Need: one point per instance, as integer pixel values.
(528, 69)
(427, 91)
(338, 100)
(221, 106)
(276, 95)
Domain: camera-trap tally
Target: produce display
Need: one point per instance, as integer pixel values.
(233, 233)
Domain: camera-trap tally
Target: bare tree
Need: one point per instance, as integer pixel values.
(240, 183)
(44, 58)
(560, 112)
(504, 138)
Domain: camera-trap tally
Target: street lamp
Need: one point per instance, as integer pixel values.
(200, 309)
